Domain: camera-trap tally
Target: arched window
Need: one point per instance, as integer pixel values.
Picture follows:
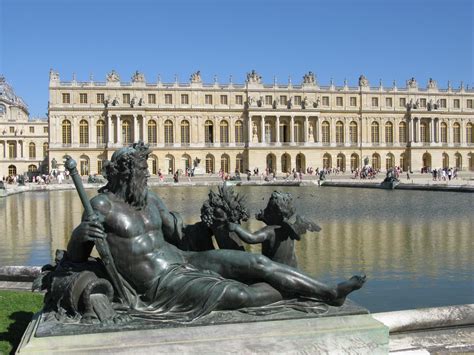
(403, 162)
(424, 137)
(327, 163)
(339, 132)
(445, 160)
(389, 161)
(326, 137)
(469, 133)
(239, 163)
(374, 132)
(153, 164)
(402, 132)
(84, 165)
(456, 133)
(354, 137)
(224, 131)
(185, 162)
(126, 132)
(341, 162)
(32, 168)
(100, 129)
(458, 161)
(169, 163)
(444, 132)
(354, 161)
(185, 138)
(300, 162)
(225, 163)
(389, 132)
(426, 160)
(375, 161)
(66, 132)
(151, 132)
(11, 170)
(45, 149)
(83, 132)
(208, 132)
(209, 164)
(239, 132)
(285, 163)
(32, 150)
(169, 132)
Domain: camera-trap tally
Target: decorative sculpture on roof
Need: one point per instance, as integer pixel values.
(363, 82)
(309, 78)
(113, 77)
(53, 75)
(254, 78)
(412, 84)
(196, 77)
(432, 84)
(138, 77)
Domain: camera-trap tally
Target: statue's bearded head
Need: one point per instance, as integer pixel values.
(127, 174)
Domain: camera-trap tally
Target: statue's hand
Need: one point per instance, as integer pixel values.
(90, 231)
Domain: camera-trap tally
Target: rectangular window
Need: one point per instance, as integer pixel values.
(283, 100)
(375, 102)
(32, 129)
(12, 129)
(83, 98)
(208, 99)
(469, 103)
(66, 98)
(184, 99)
(325, 100)
(403, 102)
(126, 98)
(268, 100)
(223, 99)
(99, 167)
(456, 103)
(100, 98)
(297, 100)
(168, 99)
(422, 102)
(442, 103)
(152, 99)
(388, 102)
(45, 129)
(353, 101)
(339, 101)
(239, 99)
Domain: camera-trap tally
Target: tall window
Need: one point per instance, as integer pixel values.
(100, 131)
(11, 150)
(339, 132)
(45, 149)
(389, 161)
(83, 132)
(456, 103)
(353, 101)
(11, 170)
(169, 132)
(402, 132)
(298, 100)
(268, 132)
(168, 99)
(84, 165)
(184, 99)
(208, 99)
(151, 130)
(126, 132)
(239, 164)
(403, 102)
(353, 132)
(239, 99)
(32, 129)
(66, 98)
(422, 102)
(32, 150)
(152, 99)
(83, 98)
(424, 132)
(223, 99)
(225, 163)
(469, 133)
(239, 132)
(388, 102)
(224, 131)
(283, 100)
(126, 98)
(442, 103)
(209, 164)
(469, 103)
(297, 136)
(375, 161)
(444, 132)
(456, 133)
(389, 132)
(354, 161)
(208, 132)
(374, 132)
(325, 100)
(100, 98)
(99, 166)
(339, 101)
(66, 131)
(268, 100)
(185, 139)
(375, 102)
(325, 132)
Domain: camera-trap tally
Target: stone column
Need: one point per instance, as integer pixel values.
(144, 130)
(410, 130)
(109, 129)
(249, 129)
(277, 124)
(118, 130)
(136, 135)
(305, 129)
(19, 153)
(292, 129)
(318, 129)
(262, 129)
(382, 131)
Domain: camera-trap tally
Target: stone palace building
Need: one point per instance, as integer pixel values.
(23, 141)
(256, 125)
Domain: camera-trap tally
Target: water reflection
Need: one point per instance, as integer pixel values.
(415, 247)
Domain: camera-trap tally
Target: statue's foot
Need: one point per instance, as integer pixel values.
(346, 287)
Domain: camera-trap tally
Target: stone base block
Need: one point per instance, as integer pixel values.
(354, 334)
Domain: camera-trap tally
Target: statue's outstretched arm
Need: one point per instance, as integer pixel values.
(259, 236)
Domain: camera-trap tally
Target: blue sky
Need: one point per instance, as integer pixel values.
(388, 40)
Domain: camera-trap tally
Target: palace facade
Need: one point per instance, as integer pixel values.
(255, 125)
(23, 141)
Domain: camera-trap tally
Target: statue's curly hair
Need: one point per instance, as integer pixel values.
(279, 207)
(226, 201)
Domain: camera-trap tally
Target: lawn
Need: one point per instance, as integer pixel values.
(16, 310)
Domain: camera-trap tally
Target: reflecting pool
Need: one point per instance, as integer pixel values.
(416, 247)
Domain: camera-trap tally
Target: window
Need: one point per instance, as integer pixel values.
(283, 100)
(239, 132)
(99, 166)
(239, 164)
(12, 170)
(224, 132)
(126, 98)
(469, 133)
(208, 99)
(353, 132)
(100, 131)
(268, 100)
(456, 133)
(339, 101)
(12, 129)
(83, 132)
(168, 99)
(208, 132)
(45, 129)
(339, 132)
(325, 100)
(83, 98)
(209, 164)
(32, 150)
(185, 132)
(100, 98)
(403, 102)
(223, 99)
(424, 132)
(12, 150)
(375, 102)
(169, 132)
(45, 149)
(151, 99)
(422, 102)
(375, 161)
(151, 130)
(389, 132)
(442, 103)
(66, 98)
(469, 103)
(32, 129)
(456, 103)
(297, 132)
(66, 131)
(353, 101)
(388, 102)
(374, 132)
(297, 100)
(402, 132)
(184, 99)
(239, 99)
(126, 132)
(444, 132)
(225, 163)
(325, 132)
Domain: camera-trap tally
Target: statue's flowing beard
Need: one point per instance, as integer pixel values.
(137, 191)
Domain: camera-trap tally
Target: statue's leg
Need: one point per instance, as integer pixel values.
(241, 296)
